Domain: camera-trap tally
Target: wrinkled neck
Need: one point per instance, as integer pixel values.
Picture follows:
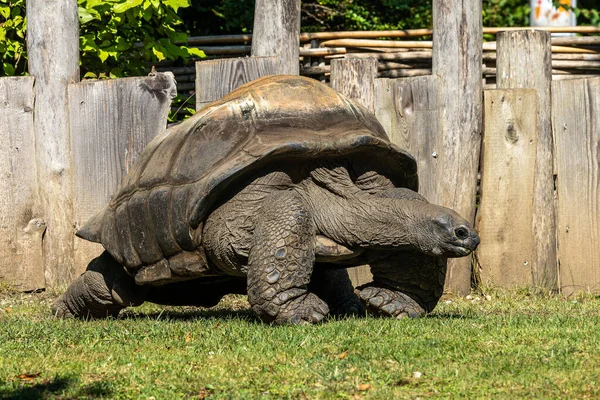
(367, 221)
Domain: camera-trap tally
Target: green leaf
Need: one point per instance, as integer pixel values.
(127, 5)
(193, 51)
(84, 16)
(103, 55)
(122, 44)
(9, 69)
(175, 4)
(90, 75)
(159, 54)
(5, 11)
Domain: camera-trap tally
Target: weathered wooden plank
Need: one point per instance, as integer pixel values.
(111, 123)
(524, 61)
(216, 78)
(409, 111)
(53, 59)
(276, 32)
(21, 225)
(576, 125)
(355, 79)
(457, 56)
(505, 214)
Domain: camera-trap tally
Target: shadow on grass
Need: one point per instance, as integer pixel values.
(59, 387)
(193, 313)
(449, 316)
(187, 314)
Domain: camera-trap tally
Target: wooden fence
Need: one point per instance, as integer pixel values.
(110, 123)
(527, 174)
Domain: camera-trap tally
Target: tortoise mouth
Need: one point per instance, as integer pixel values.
(461, 247)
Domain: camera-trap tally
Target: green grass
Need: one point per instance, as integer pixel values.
(513, 345)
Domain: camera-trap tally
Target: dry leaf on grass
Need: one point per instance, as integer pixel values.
(343, 355)
(364, 387)
(29, 377)
(188, 337)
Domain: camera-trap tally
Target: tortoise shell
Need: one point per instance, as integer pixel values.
(159, 210)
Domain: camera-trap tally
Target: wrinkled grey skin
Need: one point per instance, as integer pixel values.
(286, 240)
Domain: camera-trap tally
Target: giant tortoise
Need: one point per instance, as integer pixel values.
(273, 191)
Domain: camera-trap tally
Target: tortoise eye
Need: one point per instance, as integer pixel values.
(461, 232)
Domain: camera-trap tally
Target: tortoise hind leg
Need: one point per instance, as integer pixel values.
(101, 291)
(335, 288)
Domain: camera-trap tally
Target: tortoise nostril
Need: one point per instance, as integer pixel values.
(461, 232)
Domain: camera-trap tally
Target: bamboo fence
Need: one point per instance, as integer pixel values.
(400, 53)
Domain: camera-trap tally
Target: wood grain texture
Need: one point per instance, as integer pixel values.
(576, 125)
(216, 78)
(409, 111)
(21, 225)
(524, 61)
(276, 32)
(505, 214)
(53, 59)
(112, 121)
(457, 60)
(355, 79)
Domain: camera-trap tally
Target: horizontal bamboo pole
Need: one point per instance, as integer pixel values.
(308, 36)
(576, 41)
(403, 73)
(491, 56)
(360, 49)
(491, 71)
(569, 56)
(322, 51)
(392, 44)
(407, 55)
(491, 46)
(226, 49)
(575, 64)
(316, 70)
(572, 76)
(385, 66)
(219, 39)
(552, 29)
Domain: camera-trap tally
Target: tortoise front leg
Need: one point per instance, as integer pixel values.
(405, 284)
(280, 263)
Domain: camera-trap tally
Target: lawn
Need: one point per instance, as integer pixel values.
(499, 345)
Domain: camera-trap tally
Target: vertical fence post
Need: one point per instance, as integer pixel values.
(457, 60)
(276, 32)
(53, 49)
(524, 61)
(355, 79)
(575, 105)
(21, 228)
(216, 78)
(505, 210)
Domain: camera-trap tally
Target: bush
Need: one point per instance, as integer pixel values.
(12, 37)
(117, 37)
(123, 37)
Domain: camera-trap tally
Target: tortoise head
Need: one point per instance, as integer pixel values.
(440, 231)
